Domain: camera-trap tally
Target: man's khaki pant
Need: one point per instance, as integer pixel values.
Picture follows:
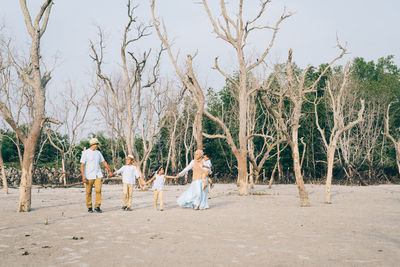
(158, 193)
(97, 188)
(127, 190)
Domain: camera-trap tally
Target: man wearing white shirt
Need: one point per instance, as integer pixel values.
(91, 173)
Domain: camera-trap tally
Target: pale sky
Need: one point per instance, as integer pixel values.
(370, 28)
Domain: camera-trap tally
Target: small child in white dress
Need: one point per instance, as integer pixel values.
(206, 166)
(158, 186)
(129, 175)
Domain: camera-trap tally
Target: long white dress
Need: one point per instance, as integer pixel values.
(194, 194)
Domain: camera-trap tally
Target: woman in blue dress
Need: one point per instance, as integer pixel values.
(193, 197)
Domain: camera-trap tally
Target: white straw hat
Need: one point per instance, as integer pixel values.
(131, 157)
(94, 141)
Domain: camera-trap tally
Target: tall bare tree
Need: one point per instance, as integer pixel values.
(187, 77)
(235, 31)
(128, 99)
(32, 77)
(293, 87)
(71, 114)
(338, 90)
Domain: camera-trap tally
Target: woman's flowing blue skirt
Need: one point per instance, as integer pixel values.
(194, 196)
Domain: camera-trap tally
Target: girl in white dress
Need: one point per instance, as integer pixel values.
(159, 186)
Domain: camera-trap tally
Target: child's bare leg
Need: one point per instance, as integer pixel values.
(155, 199)
(161, 200)
(204, 177)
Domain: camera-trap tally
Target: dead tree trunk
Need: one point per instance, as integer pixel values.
(3, 173)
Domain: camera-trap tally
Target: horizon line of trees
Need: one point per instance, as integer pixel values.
(378, 82)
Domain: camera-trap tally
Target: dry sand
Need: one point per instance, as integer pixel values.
(360, 228)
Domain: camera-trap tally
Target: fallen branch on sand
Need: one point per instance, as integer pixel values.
(78, 183)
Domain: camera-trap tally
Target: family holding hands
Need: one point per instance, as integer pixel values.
(194, 197)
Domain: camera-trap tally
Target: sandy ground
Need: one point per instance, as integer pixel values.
(360, 228)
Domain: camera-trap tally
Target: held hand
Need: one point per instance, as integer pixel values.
(110, 174)
(84, 179)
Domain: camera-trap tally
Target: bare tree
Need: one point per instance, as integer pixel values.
(357, 148)
(128, 99)
(31, 75)
(3, 173)
(338, 91)
(262, 123)
(292, 87)
(188, 78)
(71, 114)
(115, 128)
(152, 121)
(277, 167)
(173, 118)
(235, 32)
(188, 138)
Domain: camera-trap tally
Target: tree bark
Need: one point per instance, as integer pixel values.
(25, 189)
(331, 158)
(3, 173)
(242, 173)
(304, 201)
(271, 180)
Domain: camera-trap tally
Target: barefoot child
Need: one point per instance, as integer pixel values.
(158, 186)
(129, 175)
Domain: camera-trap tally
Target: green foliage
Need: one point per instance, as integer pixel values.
(9, 149)
(378, 80)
